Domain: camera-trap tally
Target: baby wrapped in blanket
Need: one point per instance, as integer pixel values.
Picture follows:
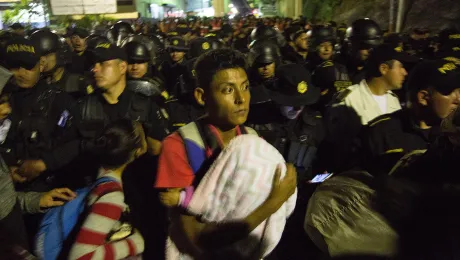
(237, 183)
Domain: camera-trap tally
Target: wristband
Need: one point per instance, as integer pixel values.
(188, 192)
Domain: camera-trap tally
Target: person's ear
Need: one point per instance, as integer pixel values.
(423, 97)
(42, 63)
(383, 68)
(123, 67)
(199, 96)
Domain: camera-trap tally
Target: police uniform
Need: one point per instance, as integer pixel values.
(172, 71)
(40, 122)
(79, 60)
(299, 137)
(331, 77)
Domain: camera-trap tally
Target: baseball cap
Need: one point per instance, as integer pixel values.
(21, 53)
(82, 33)
(384, 53)
(442, 75)
(293, 86)
(107, 51)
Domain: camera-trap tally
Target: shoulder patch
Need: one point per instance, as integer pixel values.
(327, 64)
(340, 96)
(378, 120)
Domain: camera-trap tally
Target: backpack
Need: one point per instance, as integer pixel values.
(59, 222)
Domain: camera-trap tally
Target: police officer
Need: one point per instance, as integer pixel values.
(264, 57)
(449, 43)
(139, 62)
(321, 45)
(361, 103)
(331, 77)
(115, 101)
(78, 42)
(299, 43)
(172, 70)
(40, 121)
(282, 114)
(362, 36)
(55, 56)
(433, 94)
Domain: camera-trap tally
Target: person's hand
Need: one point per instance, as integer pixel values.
(5, 110)
(170, 198)
(31, 169)
(17, 178)
(56, 197)
(283, 189)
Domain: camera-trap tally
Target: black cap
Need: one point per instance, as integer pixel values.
(449, 40)
(199, 46)
(177, 44)
(182, 29)
(107, 51)
(21, 53)
(94, 40)
(137, 52)
(386, 52)
(442, 75)
(16, 26)
(80, 32)
(293, 86)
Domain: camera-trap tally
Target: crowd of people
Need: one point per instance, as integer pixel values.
(248, 138)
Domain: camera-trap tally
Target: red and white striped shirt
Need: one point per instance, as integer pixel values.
(103, 217)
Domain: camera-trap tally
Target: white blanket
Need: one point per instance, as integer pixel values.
(236, 184)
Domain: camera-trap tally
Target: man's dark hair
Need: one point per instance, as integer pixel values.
(208, 64)
(116, 145)
(374, 69)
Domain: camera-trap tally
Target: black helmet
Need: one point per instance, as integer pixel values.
(153, 44)
(199, 46)
(320, 34)
(216, 42)
(46, 41)
(137, 52)
(118, 32)
(93, 40)
(365, 32)
(264, 52)
(263, 32)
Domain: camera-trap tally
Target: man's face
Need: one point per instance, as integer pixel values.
(78, 44)
(137, 70)
(443, 105)
(266, 71)
(26, 78)
(395, 75)
(227, 100)
(363, 55)
(109, 73)
(302, 42)
(325, 50)
(50, 62)
(177, 56)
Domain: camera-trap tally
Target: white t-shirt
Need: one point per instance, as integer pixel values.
(382, 102)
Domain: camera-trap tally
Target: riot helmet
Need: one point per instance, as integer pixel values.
(321, 34)
(118, 32)
(137, 52)
(93, 40)
(365, 34)
(46, 41)
(264, 52)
